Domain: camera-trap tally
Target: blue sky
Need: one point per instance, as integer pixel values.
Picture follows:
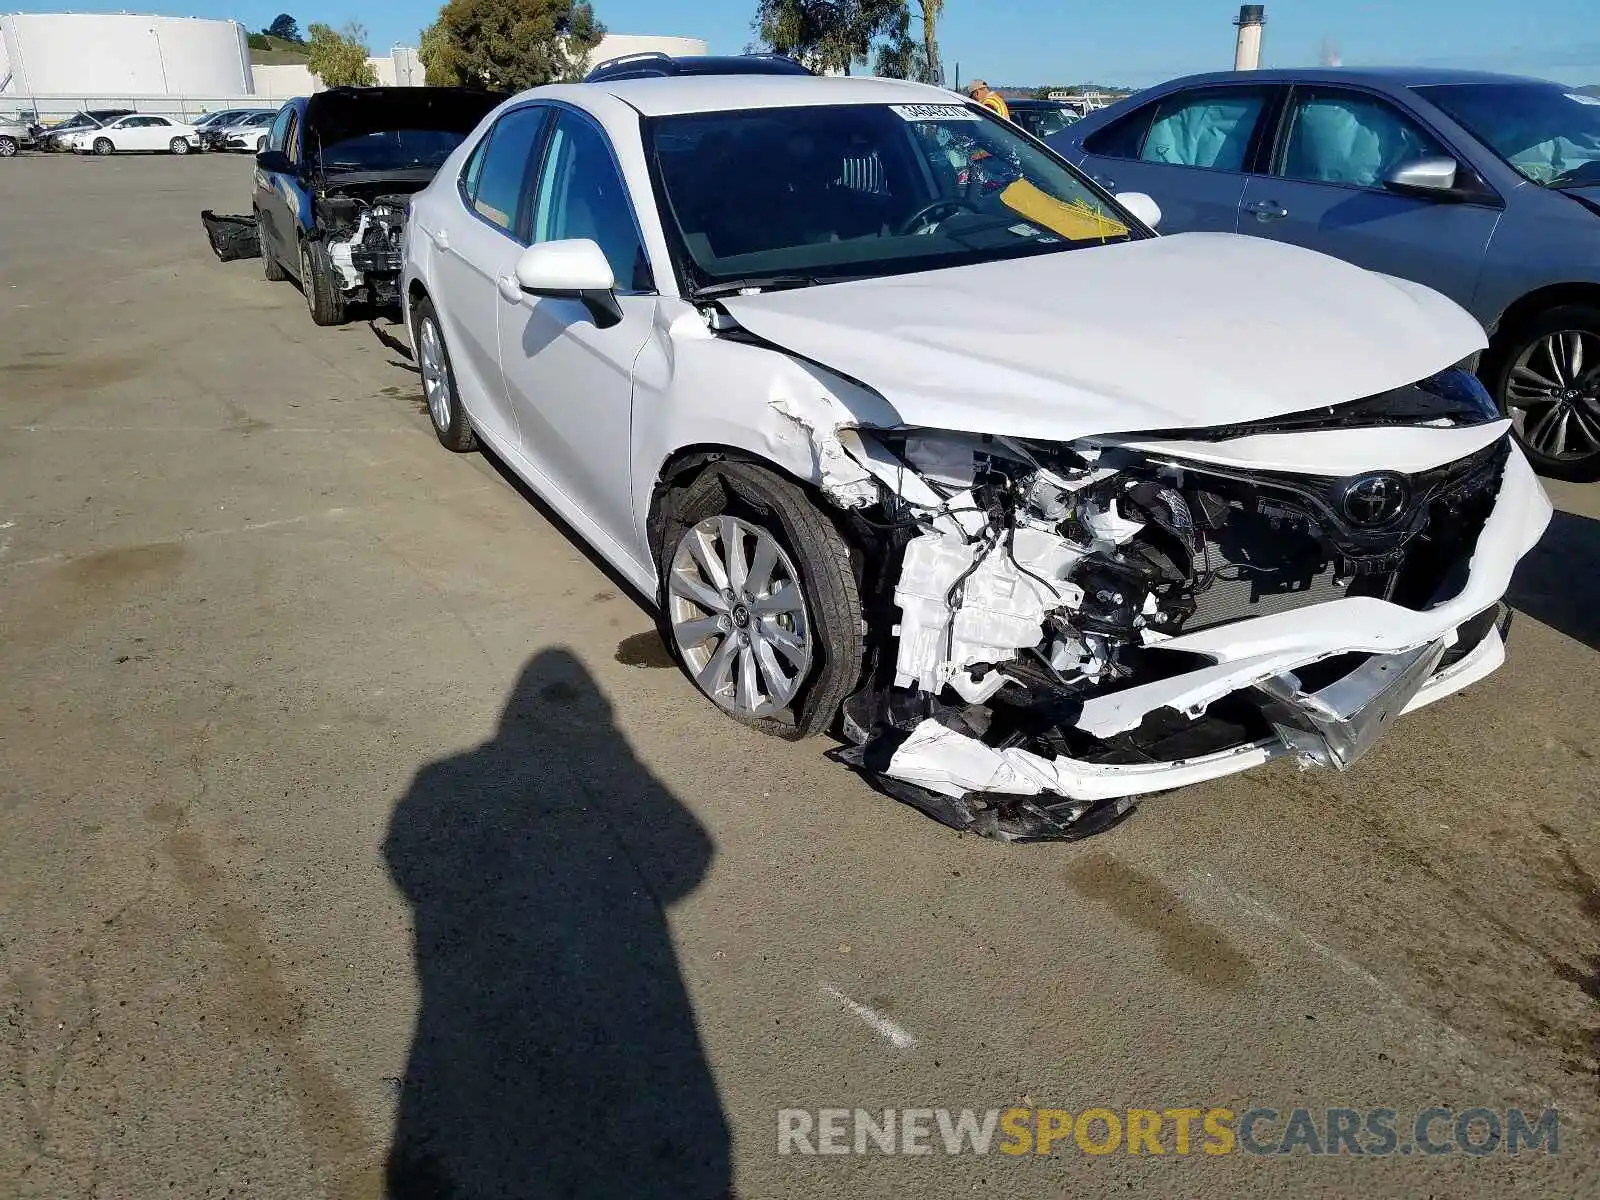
(1047, 41)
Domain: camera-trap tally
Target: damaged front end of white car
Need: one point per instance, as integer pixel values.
(1056, 628)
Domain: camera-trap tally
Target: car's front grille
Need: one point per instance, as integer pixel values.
(1274, 543)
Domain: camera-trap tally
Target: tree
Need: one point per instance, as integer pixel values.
(830, 35)
(339, 59)
(509, 45)
(932, 71)
(285, 28)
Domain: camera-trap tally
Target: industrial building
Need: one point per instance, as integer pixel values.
(122, 54)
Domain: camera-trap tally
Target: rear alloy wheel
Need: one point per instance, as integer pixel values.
(178, 146)
(1549, 386)
(449, 419)
(271, 267)
(8, 147)
(323, 298)
(759, 601)
(103, 146)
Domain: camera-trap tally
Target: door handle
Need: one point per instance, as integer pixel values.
(510, 290)
(1267, 210)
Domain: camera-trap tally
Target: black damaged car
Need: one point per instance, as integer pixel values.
(333, 185)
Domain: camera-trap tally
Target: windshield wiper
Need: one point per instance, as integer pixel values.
(754, 283)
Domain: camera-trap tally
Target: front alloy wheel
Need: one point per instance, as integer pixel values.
(1551, 392)
(103, 146)
(738, 616)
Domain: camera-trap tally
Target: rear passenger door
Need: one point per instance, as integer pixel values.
(477, 247)
(1324, 189)
(1192, 150)
(277, 194)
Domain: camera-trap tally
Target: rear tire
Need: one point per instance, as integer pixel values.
(1545, 375)
(323, 298)
(8, 147)
(450, 421)
(761, 500)
(178, 145)
(103, 146)
(270, 266)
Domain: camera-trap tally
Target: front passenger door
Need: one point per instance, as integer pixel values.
(571, 381)
(1326, 192)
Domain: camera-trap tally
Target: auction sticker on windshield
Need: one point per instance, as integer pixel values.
(935, 112)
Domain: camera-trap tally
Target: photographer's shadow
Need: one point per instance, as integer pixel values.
(556, 1052)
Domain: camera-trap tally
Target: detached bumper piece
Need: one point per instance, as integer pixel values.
(231, 237)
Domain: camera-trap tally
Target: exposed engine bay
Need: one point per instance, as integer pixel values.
(363, 228)
(1020, 591)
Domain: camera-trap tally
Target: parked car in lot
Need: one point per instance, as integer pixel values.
(1486, 187)
(334, 181)
(149, 132)
(952, 454)
(214, 128)
(55, 137)
(1042, 118)
(245, 132)
(15, 134)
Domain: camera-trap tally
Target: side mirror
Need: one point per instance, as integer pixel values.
(1141, 205)
(275, 161)
(1423, 176)
(571, 269)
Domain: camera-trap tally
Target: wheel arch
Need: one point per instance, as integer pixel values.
(1540, 300)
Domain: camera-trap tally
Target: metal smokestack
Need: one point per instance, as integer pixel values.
(1247, 51)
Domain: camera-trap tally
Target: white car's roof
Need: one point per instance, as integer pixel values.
(664, 95)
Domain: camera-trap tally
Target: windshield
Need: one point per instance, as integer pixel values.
(1043, 120)
(845, 191)
(392, 150)
(1549, 134)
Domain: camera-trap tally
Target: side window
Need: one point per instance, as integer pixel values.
(1205, 129)
(581, 195)
(1349, 138)
(291, 139)
(158, 121)
(1123, 137)
(279, 139)
(474, 168)
(503, 162)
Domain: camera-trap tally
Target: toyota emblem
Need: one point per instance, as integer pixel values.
(1374, 500)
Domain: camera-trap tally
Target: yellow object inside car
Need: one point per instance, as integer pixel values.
(1076, 222)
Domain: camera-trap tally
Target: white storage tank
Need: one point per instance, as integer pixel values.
(123, 54)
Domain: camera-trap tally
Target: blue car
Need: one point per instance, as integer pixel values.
(1485, 187)
(334, 181)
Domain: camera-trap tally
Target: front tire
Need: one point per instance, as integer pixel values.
(759, 601)
(178, 146)
(1546, 378)
(103, 146)
(323, 298)
(8, 147)
(449, 419)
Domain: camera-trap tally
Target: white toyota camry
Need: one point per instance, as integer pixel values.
(914, 433)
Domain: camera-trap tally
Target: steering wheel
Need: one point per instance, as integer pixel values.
(953, 204)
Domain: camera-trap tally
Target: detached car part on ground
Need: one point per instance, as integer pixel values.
(333, 184)
(1006, 493)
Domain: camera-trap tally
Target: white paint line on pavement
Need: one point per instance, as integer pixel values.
(881, 1025)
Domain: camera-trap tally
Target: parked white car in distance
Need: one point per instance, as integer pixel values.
(139, 132)
(913, 432)
(248, 133)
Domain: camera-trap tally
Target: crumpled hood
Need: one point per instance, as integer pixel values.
(1187, 331)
